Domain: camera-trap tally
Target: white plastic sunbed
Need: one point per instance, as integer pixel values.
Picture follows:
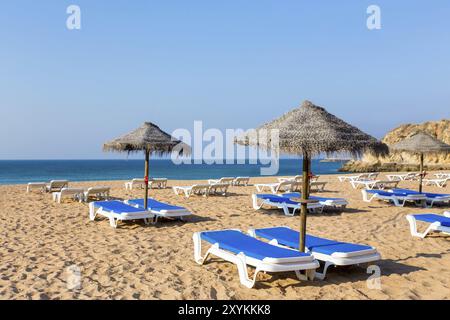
(227, 180)
(241, 181)
(329, 251)
(441, 183)
(324, 201)
(244, 250)
(56, 185)
(281, 202)
(298, 178)
(361, 176)
(160, 209)
(96, 192)
(72, 193)
(375, 184)
(437, 223)
(403, 176)
(136, 182)
(159, 183)
(431, 198)
(285, 186)
(197, 189)
(442, 175)
(117, 211)
(218, 189)
(399, 199)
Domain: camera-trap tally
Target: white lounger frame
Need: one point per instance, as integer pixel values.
(285, 186)
(227, 180)
(337, 258)
(259, 203)
(73, 193)
(198, 189)
(375, 184)
(114, 218)
(98, 192)
(433, 227)
(306, 264)
(241, 181)
(440, 183)
(399, 201)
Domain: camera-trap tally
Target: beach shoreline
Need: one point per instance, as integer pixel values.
(42, 240)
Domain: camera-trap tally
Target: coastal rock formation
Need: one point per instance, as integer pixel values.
(402, 161)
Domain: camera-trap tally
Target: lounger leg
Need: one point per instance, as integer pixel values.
(113, 222)
(413, 228)
(322, 275)
(92, 212)
(256, 206)
(198, 249)
(309, 275)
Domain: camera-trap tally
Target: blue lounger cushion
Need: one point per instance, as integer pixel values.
(237, 242)
(298, 195)
(116, 206)
(155, 205)
(428, 195)
(290, 238)
(432, 218)
(276, 198)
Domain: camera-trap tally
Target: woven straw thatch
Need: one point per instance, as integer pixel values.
(311, 130)
(421, 142)
(147, 137)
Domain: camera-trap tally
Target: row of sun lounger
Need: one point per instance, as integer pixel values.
(116, 211)
(401, 196)
(280, 253)
(60, 190)
(287, 202)
(158, 183)
(213, 187)
(289, 186)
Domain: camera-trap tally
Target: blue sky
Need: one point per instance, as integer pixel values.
(232, 64)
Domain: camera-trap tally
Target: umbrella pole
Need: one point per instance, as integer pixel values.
(421, 173)
(147, 157)
(305, 196)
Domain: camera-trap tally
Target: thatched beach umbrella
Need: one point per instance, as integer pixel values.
(308, 131)
(421, 143)
(150, 139)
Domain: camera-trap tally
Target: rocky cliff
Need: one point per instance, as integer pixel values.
(401, 161)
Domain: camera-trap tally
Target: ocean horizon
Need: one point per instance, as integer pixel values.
(24, 171)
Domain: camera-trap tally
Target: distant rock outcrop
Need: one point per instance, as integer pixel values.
(402, 161)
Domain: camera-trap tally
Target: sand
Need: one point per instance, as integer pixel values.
(43, 240)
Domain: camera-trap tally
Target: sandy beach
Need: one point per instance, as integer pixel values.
(41, 239)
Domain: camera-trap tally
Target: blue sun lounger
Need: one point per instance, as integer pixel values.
(325, 201)
(431, 198)
(242, 250)
(398, 198)
(437, 223)
(329, 251)
(161, 209)
(281, 202)
(117, 211)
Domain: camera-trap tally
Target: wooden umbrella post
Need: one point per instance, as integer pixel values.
(304, 202)
(147, 158)
(421, 172)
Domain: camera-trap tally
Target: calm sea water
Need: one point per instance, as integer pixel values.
(23, 171)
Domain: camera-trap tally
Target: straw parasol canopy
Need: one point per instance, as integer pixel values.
(311, 130)
(308, 131)
(421, 143)
(150, 139)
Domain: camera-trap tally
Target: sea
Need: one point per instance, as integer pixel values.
(24, 171)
